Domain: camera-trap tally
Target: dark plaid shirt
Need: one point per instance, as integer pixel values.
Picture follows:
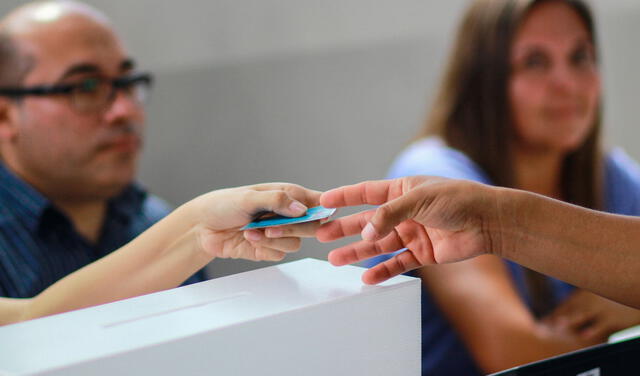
(39, 245)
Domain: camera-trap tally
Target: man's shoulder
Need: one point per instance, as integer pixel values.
(137, 210)
(141, 206)
(18, 199)
(155, 208)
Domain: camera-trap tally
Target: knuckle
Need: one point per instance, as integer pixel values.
(384, 212)
(281, 198)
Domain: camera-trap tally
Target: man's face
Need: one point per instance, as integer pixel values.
(62, 151)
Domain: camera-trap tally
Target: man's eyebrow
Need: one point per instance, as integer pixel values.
(127, 65)
(80, 68)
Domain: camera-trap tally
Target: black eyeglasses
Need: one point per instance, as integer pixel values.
(93, 93)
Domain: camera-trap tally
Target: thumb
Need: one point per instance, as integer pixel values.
(391, 214)
(275, 201)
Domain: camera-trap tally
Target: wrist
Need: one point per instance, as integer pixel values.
(191, 214)
(185, 228)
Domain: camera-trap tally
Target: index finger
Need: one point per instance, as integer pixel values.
(366, 193)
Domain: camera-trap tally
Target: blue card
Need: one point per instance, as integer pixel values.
(313, 214)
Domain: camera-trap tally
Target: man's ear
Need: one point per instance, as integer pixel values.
(8, 117)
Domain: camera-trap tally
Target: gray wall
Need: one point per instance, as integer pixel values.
(321, 93)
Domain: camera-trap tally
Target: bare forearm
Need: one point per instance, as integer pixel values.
(592, 250)
(162, 257)
(12, 310)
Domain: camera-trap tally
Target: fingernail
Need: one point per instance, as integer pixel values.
(274, 232)
(297, 207)
(253, 235)
(369, 233)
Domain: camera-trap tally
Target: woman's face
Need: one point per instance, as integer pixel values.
(554, 87)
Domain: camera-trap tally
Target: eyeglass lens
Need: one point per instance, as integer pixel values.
(95, 94)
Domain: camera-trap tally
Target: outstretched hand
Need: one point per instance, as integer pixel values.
(438, 220)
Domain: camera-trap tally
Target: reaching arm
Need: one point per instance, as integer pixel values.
(441, 220)
(176, 247)
(597, 251)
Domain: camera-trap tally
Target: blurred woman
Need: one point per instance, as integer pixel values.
(520, 107)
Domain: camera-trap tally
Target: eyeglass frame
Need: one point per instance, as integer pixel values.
(117, 83)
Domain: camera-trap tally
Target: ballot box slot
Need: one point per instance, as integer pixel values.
(176, 309)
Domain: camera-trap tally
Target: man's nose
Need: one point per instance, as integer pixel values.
(124, 107)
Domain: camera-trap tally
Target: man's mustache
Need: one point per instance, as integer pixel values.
(115, 132)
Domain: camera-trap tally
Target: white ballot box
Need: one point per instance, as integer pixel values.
(300, 318)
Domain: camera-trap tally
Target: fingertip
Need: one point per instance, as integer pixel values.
(322, 240)
(297, 208)
(253, 235)
(369, 233)
(269, 254)
(368, 279)
(334, 259)
(326, 199)
(298, 245)
(274, 232)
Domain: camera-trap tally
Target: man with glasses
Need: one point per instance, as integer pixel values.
(71, 124)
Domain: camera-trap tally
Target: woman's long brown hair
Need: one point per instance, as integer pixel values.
(471, 111)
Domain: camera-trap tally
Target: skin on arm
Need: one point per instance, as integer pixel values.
(594, 250)
(442, 220)
(169, 252)
(479, 300)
